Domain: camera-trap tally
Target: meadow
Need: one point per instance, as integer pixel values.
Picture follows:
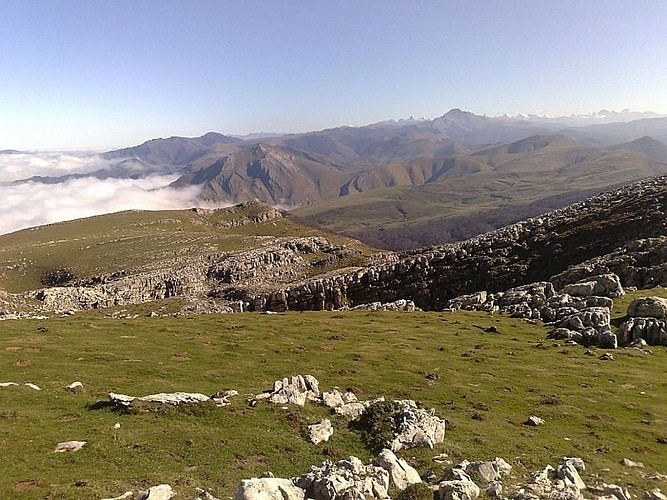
(484, 381)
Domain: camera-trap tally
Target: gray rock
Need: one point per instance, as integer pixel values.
(346, 478)
(417, 427)
(654, 494)
(350, 410)
(629, 463)
(320, 431)
(568, 473)
(401, 474)
(539, 486)
(652, 330)
(607, 340)
(651, 307)
(615, 491)
(494, 489)
(598, 318)
(489, 471)
(159, 492)
(272, 488)
(69, 446)
(468, 302)
(295, 390)
(458, 490)
(173, 398)
(606, 285)
(332, 399)
(576, 462)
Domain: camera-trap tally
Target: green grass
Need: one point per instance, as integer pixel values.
(484, 384)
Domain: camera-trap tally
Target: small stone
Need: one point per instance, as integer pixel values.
(159, 492)
(74, 387)
(629, 463)
(606, 357)
(69, 446)
(533, 421)
(33, 386)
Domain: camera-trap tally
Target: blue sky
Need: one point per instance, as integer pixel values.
(106, 74)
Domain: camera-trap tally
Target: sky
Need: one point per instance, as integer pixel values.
(100, 74)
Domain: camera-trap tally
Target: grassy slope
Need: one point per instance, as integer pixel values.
(488, 384)
(513, 181)
(125, 240)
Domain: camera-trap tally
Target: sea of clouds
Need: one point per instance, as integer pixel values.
(32, 203)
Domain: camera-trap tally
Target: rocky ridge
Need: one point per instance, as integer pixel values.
(623, 230)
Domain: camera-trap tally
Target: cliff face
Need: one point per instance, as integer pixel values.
(623, 231)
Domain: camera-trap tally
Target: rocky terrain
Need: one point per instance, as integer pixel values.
(622, 232)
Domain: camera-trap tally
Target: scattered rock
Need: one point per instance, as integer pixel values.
(159, 492)
(606, 285)
(494, 489)
(296, 390)
(606, 357)
(533, 421)
(75, 387)
(458, 490)
(577, 463)
(351, 410)
(348, 479)
(222, 398)
(320, 431)
(615, 491)
(654, 494)
(33, 386)
(270, 488)
(401, 474)
(174, 398)
(629, 463)
(489, 471)
(69, 446)
(7, 384)
(651, 330)
(652, 307)
(397, 305)
(568, 473)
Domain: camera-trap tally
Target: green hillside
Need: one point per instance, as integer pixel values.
(127, 240)
(484, 384)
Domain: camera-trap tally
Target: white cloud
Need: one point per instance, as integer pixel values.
(32, 203)
(23, 165)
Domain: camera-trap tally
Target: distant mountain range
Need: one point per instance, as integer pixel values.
(406, 183)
